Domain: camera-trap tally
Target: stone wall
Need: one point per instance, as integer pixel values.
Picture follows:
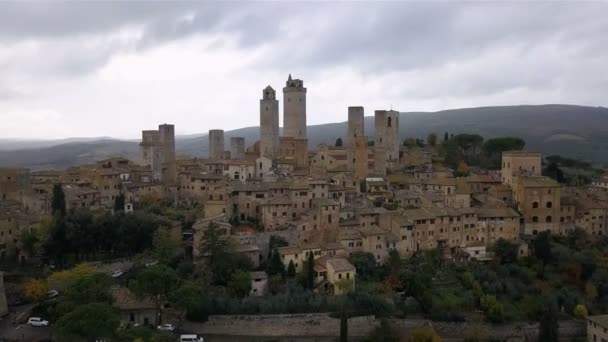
(282, 325)
(321, 325)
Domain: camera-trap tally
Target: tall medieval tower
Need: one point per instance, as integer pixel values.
(294, 109)
(216, 144)
(269, 124)
(356, 142)
(386, 142)
(167, 140)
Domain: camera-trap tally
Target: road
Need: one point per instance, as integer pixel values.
(21, 332)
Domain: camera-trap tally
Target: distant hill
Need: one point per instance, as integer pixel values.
(573, 131)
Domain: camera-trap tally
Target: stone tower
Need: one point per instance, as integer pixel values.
(356, 143)
(167, 140)
(216, 144)
(237, 148)
(386, 142)
(359, 157)
(294, 109)
(269, 124)
(355, 124)
(151, 152)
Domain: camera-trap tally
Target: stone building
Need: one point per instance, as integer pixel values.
(269, 124)
(386, 142)
(237, 148)
(597, 328)
(538, 199)
(516, 163)
(14, 184)
(216, 144)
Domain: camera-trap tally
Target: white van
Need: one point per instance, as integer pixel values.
(190, 338)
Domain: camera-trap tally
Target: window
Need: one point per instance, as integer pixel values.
(549, 204)
(534, 204)
(535, 219)
(390, 122)
(548, 219)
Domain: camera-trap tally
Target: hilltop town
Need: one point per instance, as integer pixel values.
(325, 212)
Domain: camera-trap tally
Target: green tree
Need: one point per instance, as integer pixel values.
(505, 251)
(240, 284)
(432, 139)
(343, 326)
(493, 310)
(164, 245)
(339, 142)
(119, 203)
(93, 288)
(542, 248)
(446, 137)
(310, 272)
(366, 266)
(156, 282)
(58, 201)
(493, 149)
(88, 322)
(275, 265)
(29, 240)
(187, 298)
(548, 324)
(291, 269)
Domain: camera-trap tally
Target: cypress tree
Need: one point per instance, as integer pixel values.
(310, 271)
(275, 265)
(58, 201)
(343, 326)
(291, 269)
(548, 324)
(119, 203)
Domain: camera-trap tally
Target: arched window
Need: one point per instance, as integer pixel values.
(548, 219)
(535, 219)
(390, 122)
(534, 204)
(549, 204)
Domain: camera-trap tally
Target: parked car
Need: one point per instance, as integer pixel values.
(37, 322)
(117, 273)
(191, 338)
(53, 293)
(166, 327)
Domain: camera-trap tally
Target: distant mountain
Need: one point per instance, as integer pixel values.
(573, 131)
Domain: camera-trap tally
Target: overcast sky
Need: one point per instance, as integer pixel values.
(112, 69)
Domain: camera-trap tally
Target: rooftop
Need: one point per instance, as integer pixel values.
(340, 265)
(602, 320)
(538, 182)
